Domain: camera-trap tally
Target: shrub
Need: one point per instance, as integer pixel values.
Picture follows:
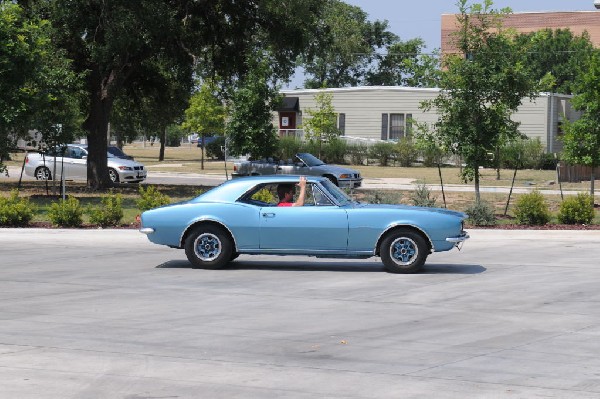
(288, 146)
(66, 213)
(382, 152)
(264, 195)
(15, 211)
(532, 209)
(382, 197)
(214, 149)
(110, 211)
(530, 151)
(406, 152)
(421, 196)
(481, 213)
(577, 210)
(359, 153)
(151, 198)
(335, 151)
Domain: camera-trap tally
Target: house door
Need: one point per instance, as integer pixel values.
(287, 123)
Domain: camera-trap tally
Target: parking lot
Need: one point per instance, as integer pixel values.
(106, 314)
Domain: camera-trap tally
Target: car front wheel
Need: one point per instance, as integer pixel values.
(208, 247)
(404, 251)
(43, 173)
(113, 175)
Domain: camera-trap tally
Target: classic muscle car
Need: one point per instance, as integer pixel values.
(241, 216)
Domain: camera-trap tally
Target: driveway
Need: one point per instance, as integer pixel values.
(105, 314)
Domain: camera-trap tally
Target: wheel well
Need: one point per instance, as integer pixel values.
(403, 227)
(191, 227)
(332, 178)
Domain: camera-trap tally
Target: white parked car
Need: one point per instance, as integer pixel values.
(72, 161)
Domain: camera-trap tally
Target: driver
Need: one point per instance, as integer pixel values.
(285, 192)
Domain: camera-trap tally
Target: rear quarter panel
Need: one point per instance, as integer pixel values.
(172, 221)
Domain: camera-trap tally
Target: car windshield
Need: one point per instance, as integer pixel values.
(309, 159)
(116, 151)
(341, 197)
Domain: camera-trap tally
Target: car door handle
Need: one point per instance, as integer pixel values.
(268, 215)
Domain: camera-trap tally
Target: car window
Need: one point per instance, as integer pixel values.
(266, 195)
(76, 152)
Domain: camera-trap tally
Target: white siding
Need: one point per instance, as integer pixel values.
(364, 106)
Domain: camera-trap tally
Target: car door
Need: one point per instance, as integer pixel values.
(77, 163)
(316, 227)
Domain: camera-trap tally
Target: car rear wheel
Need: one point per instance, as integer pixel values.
(208, 247)
(43, 173)
(404, 251)
(113, 175)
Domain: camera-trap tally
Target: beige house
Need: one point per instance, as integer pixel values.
(374, 113)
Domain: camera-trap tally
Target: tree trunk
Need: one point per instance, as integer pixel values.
(592, 181)
(163, 143)
(477, 194)
(97, 130)
(203, 150)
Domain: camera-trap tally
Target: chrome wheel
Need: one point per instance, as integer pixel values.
(403, 251)
(113, 175)
(42, 173)
(207, 247)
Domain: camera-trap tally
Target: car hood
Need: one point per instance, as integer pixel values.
(413, 208)
(122, 162)
(337, 169)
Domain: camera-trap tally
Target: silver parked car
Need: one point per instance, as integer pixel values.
(72, 161)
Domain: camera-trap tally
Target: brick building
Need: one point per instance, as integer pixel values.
(576, 21)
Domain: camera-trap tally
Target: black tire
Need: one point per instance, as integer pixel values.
(403, 251)
(113, 175)
(43, 173)
(234, 256)
(208, 247)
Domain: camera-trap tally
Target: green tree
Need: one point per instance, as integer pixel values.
(38, 90)
(251, 103)
(322, 124)
(110, 40)
(205, 114)
(480, 88)
(555, 54)
(582, 137)
(344, 46)
(404, 64)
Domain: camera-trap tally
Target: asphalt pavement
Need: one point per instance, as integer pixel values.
(98, 313)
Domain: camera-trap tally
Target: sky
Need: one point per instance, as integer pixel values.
(422, 18)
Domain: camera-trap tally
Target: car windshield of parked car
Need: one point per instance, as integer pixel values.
(334, 191)
(116, 151)
(309, 159)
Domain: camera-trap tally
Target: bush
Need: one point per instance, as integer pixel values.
(530, 151)
(359, 153)
(532, 209)
(577, 210)
(264, 195)
(481, 214)
(151, 198)
(335, 151)
(382, 152)
(66, 213)
(15, 211)
(421, 196)
(288, 146)
(382, 197)
(110, 211)
(406, 152)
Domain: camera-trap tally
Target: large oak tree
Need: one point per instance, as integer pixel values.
(109, 41)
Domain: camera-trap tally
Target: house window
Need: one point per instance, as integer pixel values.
(341, 124)
(395, 126)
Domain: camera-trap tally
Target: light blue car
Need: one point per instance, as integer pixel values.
(241, 216)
